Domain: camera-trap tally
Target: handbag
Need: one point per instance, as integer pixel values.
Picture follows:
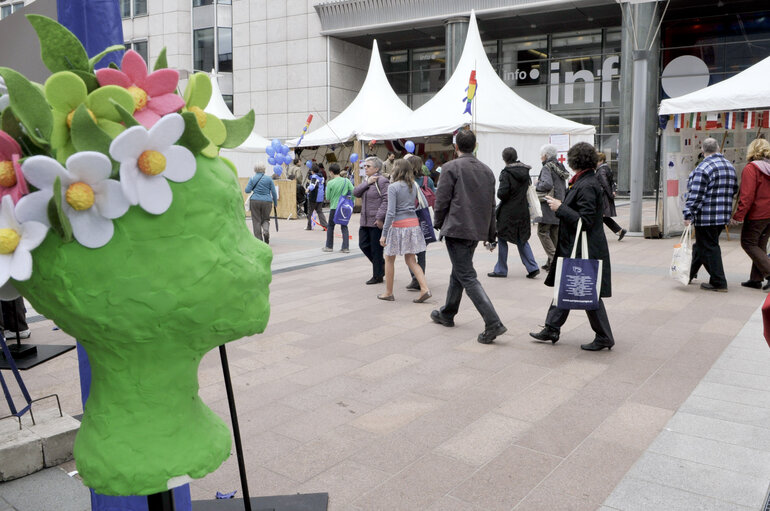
(682, 258)
(578, 281)
(533, 201)
(425, 216)
(344, 210)
(429, 195)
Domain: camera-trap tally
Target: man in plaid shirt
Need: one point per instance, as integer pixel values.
(710, 190)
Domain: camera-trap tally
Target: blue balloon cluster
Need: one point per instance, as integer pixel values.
(278, 155)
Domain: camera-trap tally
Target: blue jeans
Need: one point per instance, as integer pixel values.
(525, 253)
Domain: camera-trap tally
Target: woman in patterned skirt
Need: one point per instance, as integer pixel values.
(401, 234)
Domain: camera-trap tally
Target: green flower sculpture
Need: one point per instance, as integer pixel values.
(196, 96)
(145, 259)
(65, 92)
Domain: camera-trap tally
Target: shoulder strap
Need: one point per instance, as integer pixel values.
(581, 237)
(378, 187)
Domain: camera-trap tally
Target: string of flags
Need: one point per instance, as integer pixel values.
(748, 119)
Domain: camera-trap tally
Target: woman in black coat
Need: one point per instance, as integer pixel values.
(583, 201)
(513, 225)
(604, 175)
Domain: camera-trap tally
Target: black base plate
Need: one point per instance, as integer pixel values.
(44, 352)
(298, 502)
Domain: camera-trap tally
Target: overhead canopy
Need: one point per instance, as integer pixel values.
(748, 89)
(496, 107)
(218, 107)
(375, 107)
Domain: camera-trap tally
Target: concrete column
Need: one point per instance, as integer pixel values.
(645, 15)
(455, 30)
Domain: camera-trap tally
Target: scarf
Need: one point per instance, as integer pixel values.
(578, 176)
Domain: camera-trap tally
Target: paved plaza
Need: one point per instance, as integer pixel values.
(373, 403)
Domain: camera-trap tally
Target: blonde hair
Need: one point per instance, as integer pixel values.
(759, 149)
(602, 157)
(402, 171)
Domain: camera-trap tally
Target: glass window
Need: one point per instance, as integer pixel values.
(140, 47)
(17, 6)
(125, 8)
(225, 49)
(140, 7)
(428, 68)
(5, 11)
(226, 2)
(523, 67)
(203, 49)
(199, 3)
(228, 101)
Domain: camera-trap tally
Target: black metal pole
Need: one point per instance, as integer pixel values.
(163, 501)
(236, 429)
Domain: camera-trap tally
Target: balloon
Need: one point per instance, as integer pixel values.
(284, 149)
(429, 163)
(271, 160)
(409, 146)
(277, 170)
(270, 150)
(308, 164)
(276, 143)
(353, 157)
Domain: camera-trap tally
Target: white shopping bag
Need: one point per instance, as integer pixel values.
(533, 202)
(682, 259)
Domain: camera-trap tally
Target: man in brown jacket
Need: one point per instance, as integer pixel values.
(465, 214)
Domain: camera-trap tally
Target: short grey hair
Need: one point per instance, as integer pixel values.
(375, 161)
(549, 151)
(259, 168)
(710, 146)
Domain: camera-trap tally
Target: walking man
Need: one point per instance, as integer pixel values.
(465, 214)
(710, 190)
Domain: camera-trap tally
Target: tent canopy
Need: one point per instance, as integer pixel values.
(218, 107)
(496, 107)
(748, 89)
(375, 106)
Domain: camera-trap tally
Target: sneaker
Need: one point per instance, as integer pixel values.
(489, 334)
(24, 334)
(327, 249)
(622, 234)
(345, 250)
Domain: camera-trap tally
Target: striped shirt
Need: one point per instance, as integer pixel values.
(710, 190)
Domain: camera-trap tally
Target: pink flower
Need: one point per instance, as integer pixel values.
(12, 180)
(153, 93)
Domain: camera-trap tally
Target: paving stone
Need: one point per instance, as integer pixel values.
(637, 495)
(721, 430)
(633, 425)
(344, 482)
(484, 439)
(733, 412)
(384, 367)
(394, 415)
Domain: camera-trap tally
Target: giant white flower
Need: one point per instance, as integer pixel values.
(90, 199)
(148, 158)
(17, 239)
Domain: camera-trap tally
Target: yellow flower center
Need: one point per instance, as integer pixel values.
(200, 115)
(9, 240)
(140, 97)
(151, 163)
(7, 174)
(72, 114)
(80, 196)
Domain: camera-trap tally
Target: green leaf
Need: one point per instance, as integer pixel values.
(99, 56)
(59, 48)
(198, 91)
(59, 221)
(192, 138)
(113, 65)
(238, 130)
(29, 105)
(88, 78)
(125, 115)
(10, 124)
(162, 62)
(87, 136)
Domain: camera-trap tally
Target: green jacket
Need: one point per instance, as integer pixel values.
(336, 188)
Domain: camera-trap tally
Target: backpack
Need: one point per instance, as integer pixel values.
(429, 195)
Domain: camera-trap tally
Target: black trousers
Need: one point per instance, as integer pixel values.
(706, 253)
(598, 319)
(317, 207)
(14, 315)
(421, 262)
(463, 277)
(612, 224)
(369, 243)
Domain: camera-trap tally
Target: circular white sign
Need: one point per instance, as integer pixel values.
(684, 75)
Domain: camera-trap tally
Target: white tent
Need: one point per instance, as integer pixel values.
(253, 148)
(375, 107)
(748, 89)
(501, 117)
